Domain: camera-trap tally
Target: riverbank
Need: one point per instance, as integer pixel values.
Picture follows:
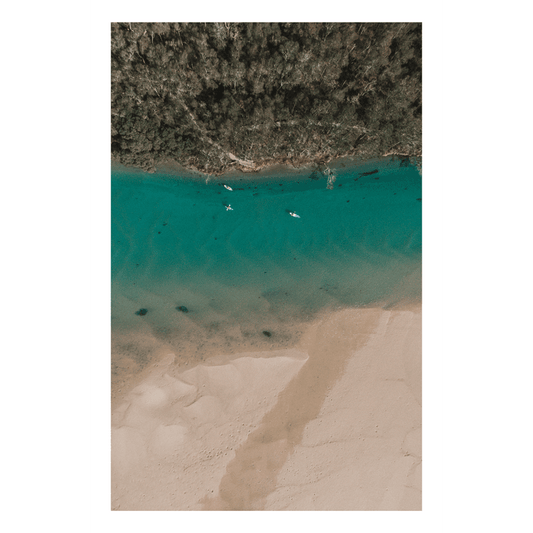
(308, 168)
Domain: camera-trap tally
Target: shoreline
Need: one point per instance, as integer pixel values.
(270, 170)
(214, 348)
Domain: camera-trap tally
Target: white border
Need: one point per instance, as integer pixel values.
(100, 15)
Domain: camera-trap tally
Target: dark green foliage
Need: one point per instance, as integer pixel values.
(215, 96)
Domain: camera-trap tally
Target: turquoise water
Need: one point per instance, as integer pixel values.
(175, 244)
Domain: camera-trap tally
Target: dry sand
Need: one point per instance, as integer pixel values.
(332, 423)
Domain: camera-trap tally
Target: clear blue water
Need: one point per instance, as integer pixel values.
(175, 244)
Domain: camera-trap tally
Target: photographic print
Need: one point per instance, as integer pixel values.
(266, 266)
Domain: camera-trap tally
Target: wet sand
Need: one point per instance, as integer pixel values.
(332, 422)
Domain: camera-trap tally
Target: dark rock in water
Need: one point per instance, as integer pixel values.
(267, 333)
(419, 199)
(315, 175)
(141, 312)
(182, 308)
(375, 171)
(404, 162)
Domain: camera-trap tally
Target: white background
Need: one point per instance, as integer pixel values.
(100, 15)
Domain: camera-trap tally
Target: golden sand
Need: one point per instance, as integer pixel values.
(331, 423)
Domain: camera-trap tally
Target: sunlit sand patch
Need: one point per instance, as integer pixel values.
(177, 430)
(363, 450)
(252, 475)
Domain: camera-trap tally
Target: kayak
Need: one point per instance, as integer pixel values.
(294, 214)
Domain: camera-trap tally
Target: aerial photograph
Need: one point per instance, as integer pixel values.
(266, 266)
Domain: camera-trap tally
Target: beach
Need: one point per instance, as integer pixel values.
(332, 423)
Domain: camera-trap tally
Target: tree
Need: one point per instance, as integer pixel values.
(191, 92)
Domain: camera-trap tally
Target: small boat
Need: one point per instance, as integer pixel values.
(228, 207)
(293, 214)
(227, 187)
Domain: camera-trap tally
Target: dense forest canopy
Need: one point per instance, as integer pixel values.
(214, 97)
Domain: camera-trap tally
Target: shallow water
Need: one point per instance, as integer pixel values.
(256, 267)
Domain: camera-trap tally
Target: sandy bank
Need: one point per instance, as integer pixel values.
(332, 423)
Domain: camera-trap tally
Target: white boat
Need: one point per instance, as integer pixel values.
(228, 207)
(294, 214)
(228, 187)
